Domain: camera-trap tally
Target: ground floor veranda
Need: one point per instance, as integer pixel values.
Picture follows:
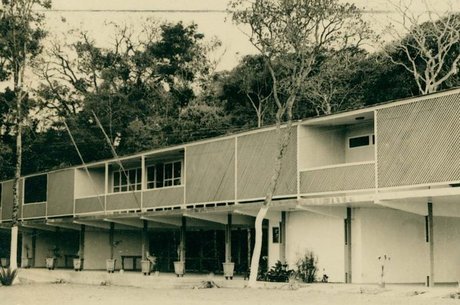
(347, 234)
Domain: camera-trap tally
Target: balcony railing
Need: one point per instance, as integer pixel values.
(337, 178)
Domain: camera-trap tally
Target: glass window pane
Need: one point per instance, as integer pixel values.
(160, 175)
(151, 173)
(116, 189)
(168, 171)
(123, 178)
(132, 176)
(150, 185)
(176, 181)
(138, 175)
(168, 182)
(116, 179)
(177, 169)
(124, 188)
(138, 186)
(358, 141)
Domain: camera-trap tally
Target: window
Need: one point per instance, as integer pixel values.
(361, 141)
(164, 174)
(35, 189)
(128, 180)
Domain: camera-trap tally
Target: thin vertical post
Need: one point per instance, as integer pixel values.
(111, 239)
(249, 247)
(81, 247)
(430, 282)
(348, 247)
(183, 230)
(34, 246)
(283, 238)
(144, 241)
(228, 239)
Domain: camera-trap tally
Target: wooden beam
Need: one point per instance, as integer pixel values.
(111, 239)
(348, 246)
(216, 218)
(171, 221)
(136, 223)
(81, 248)
(96, 224)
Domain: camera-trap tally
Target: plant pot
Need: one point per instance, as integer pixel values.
(26, 262)
(179, 268)
(110, 265)
(77, 264)
(228, 270)
(50, 263)
(4, 262)
(146, 267)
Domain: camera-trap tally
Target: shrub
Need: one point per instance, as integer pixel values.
(279, 273)
(7, 276)
(306, 267)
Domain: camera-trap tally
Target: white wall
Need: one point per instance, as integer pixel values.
(324, 235)
(446, 249)
(400, 235)
(86, 186)
(66, 242)
(97, 247)
(320, 146)
(363, 153)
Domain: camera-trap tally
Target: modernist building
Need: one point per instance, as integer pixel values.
(354, 186)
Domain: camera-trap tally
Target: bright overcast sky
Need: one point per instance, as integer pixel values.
(91, 15)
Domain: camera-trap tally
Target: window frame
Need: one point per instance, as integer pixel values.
(370, 137)
(164, 182)
(124, 183)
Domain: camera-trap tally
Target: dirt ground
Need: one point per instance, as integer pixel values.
(73, 294)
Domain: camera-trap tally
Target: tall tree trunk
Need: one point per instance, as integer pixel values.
(17, 176)
(283, 142)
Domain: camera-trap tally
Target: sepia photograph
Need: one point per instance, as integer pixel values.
(234, 152)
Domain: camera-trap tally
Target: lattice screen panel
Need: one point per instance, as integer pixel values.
(343, 178)
(419, 143)
(210, 171)
(256, 157)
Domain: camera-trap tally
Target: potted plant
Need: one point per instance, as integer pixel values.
(179, 266)
(110, 262)
(53, 255)
(26, 261)
(78, 262)
(148, 264)
(4, 261)
(229, 268)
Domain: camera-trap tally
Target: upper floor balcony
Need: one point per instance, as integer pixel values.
(337, 154)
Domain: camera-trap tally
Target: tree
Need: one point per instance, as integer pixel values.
(336, 83)
(142, 80)
(429, 50)
(249, 86)
(21, 33)
(289, 34)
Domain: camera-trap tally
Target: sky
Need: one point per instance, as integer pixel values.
(92, 16)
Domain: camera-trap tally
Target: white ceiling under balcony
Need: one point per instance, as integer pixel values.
(346, 118)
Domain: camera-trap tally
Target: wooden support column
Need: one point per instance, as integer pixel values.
(249, 247)
(348, 246)
(145, 239)
(430, 279)
(81, 247)
(183, 230)
(111, 239)
(228, 239)
(283, 238)
(34, 247)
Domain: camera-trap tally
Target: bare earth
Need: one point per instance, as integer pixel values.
(70, 294)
